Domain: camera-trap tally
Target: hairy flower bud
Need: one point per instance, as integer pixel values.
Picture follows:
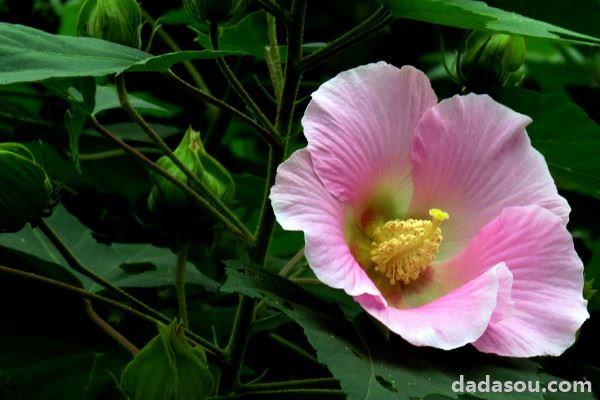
(168, 368)
(117, 21)
(488, 59)
(26, 189)
(216, 11)
(166, 197)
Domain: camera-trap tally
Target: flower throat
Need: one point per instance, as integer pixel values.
(402, 249)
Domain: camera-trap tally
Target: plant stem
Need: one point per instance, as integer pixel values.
(287, 268)
(238, 341)
(377, 21)
(197, 183)
(288, 394)
(293, 69)
(76, 291)
(234, 225)
(307, 281)
(267, 218)
(109, 330)
(292, 384)
(294, 347)
(240, 335)
(180, 281)
(187, 64)
(103, 155)
(275, 9)
(268, 134)
(208, 346)
(283, 123)
(74, 262)
(235, 83)
(273, 58)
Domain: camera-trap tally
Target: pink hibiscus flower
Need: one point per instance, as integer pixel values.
(440, 219)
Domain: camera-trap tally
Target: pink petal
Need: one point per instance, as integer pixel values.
(301, 203)
(545, 306)
(472, 157)
(453, 320)
(359, 126)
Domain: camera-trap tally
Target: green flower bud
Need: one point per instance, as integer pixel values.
(488, 59)
(218, 11)
(166, 197)
(26, 189)
(118, 21)
(168, 368)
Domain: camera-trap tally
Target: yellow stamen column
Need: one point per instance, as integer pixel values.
(403, 249)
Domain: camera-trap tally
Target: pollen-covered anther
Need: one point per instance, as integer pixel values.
(403, 249)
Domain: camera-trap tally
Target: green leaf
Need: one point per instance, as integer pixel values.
(114, 263)
(80, 93)
(68, 13)
(564, 134)
(164, 61)
(31, 55)
(145, 104)
(369, 366)
(469, 14)
(555, 65)
(248, 36)
(43, 368)
(584, 17)
(176, 16)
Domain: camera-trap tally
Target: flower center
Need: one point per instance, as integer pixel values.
(403, 249)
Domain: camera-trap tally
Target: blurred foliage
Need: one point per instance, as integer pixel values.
(49, 348)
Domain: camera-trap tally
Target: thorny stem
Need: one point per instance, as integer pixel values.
(208, 346)
(237, 228)
(109, 330)
(377, 21)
